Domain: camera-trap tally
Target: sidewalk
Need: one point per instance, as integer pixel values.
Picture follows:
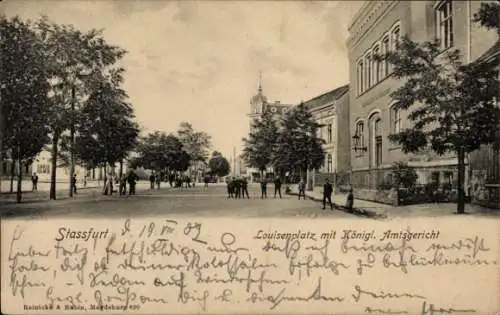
(379, 210)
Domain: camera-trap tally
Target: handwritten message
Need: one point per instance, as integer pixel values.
(184, 266)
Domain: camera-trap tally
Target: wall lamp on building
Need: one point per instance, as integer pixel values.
(356, 139)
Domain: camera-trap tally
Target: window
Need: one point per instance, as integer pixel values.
(396, 34)
(360, 133)
(330, 133)
(378, 141)
(395, 120)
(360, 77)
(377, 74)
(368, 73)
(329, 163)
(385, 49)
(444, 23)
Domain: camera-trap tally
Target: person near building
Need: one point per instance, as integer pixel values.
(158, 180)
(327, 193)
(123, 185)
(263, 188)
(302, 189)
(277, 186)
(73, 184)
(229, 184)
(244, 187)
(206, 180)
(349, 203)
(132, 181)
(152, 179)
(34, 181)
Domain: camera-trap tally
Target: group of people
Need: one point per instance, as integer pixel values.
(129, 178)
(174, 180)
(237, 188)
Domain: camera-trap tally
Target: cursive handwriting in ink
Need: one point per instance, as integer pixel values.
(383, 311)
(186, 296)
(115, 281)
(73, 300)
(475, 244)
(196, 229)
(275, 301)
(68, 264)
(382, 295)
(227, 239)
(224, 296)
(431, 309)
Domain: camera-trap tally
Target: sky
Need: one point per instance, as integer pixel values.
(200, 61)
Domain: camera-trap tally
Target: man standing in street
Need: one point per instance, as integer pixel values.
(302, 189)
(34, 181)
(244, 187)
(132, 179)
(152, 180)
(73, 184)
(277, 187)
(263, 188)
(327, 194)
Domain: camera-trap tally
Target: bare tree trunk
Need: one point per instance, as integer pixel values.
(53, 161)
(12, 173)
(72, 142)
(121, 168)
(19, 176)
(460, 181)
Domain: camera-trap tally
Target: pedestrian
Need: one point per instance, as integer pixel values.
(171, 179)
(349, 203)
(158, 181)
(34, 181)
(302, 189)
(73, 184)
(132, 179)
(229, 185)
(152, 180)
(327, 194)
(244, 187)
(263, 188)
(277, 186)
(206, 179)
(237, 187)
(123, 185)
(85, 181)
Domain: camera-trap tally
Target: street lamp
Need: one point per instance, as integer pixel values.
(356, 141)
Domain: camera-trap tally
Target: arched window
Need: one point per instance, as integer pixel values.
(376, 71)
(395, 119)
(360, 134)
(329, 163)
(377, 141)
(396, 35)
(360, 74)
(368, 73)
(385, 49)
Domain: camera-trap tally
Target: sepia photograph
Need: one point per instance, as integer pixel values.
(305, 123)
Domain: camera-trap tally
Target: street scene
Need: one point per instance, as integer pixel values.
(154, 108)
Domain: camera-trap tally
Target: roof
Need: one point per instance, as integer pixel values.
(327, 97)
(492, 53)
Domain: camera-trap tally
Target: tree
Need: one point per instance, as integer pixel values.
(297, 146)
(450, 104)
(488, 15)
(159, 151)
(195, 143)
(75, 58)
(107, 130)
(258, 147)
(24, 88)
(218, 165)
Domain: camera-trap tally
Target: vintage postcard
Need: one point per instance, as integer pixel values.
(250, 157)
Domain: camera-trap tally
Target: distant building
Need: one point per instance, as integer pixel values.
(376, 28)
(259, 105)
(331, 111)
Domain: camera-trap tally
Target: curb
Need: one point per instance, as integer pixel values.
(356, 211)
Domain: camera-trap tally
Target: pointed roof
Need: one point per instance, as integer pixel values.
(328, 97)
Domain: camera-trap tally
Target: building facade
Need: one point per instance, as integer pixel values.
(331, 111)
(259, 104)
(376, 28)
